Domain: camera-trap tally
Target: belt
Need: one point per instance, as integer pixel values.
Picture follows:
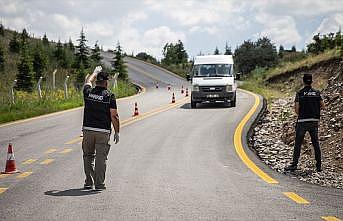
(97, 129)
(308, 120)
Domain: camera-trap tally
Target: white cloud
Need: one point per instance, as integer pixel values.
(281, 29)
(330, 24)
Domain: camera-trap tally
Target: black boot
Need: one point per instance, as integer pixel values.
(319, 167)
(291, 167)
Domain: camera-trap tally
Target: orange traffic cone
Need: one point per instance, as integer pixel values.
(173, 98)
(10, 163)
(135, 113)
(186, 92)
(182, 91)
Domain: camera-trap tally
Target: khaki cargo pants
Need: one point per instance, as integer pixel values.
(95, 145)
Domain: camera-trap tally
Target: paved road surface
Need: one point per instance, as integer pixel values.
(178, 164)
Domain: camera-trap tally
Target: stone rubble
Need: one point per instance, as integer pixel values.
(273, 138)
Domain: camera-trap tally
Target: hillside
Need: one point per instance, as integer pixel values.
(273, 138)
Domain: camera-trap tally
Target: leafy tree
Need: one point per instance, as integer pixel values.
(294, 49)
(174, 54)
(281, 51)
(2, 30)
(96, 57)
(119, 64)
(14, 43)
(24, 36)
(80, 76)
(45, 40)
(2, 58)
(40, 62)
(216, 51)
(82, 54)
(244, 57)
(316, 46)
(227, 50)
(146, 57)
(24, 76)
(59, 52)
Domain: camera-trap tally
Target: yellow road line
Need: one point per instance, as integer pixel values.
(330, 218)
(67, 150)
(24, 174)
(4, 175)
(239, 146)
(295, 197)
(51, 150)
(2, 189)
(47, 161)
(29, 161)
(129, 121)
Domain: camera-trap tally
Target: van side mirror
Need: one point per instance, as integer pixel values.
(238, 76)
(188, 77)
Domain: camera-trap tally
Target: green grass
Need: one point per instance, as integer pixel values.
(29, 105)
(256, 81)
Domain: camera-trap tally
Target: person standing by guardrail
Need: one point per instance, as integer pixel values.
(308, 103)
(99, 112)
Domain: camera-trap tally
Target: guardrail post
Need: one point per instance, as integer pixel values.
(115, 80)
(39, 87)
(12, 91)
(66, 87)
(54, 79)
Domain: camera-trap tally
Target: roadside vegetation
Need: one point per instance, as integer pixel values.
(28, 64)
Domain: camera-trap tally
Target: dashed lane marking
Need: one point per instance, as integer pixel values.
(51, 150)
(67, 150)
(29, 161)
(4, 175)
(24, 174)
(295, 197)
(330, 218)
(142, 116)
(47, 161)
(239, 145)
(2, 189)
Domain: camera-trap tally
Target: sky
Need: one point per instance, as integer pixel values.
(202, 25)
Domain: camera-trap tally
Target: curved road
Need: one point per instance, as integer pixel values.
(172, 163)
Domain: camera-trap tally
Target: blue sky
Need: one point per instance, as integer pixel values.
(146, 25)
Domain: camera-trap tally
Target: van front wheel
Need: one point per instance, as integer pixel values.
(193, 104)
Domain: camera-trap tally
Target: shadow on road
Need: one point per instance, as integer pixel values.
(70, 192)
(206, 106)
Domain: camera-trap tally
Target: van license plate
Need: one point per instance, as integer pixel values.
(212, 95)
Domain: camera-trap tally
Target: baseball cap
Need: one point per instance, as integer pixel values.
(102, 76)
(307, 78)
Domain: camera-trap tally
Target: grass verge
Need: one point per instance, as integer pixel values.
(29, 105)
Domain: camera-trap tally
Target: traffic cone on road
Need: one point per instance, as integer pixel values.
(135, 113)
(182, 91)
(156, 85)
(186, 92)
(10, 163)
(173, 98)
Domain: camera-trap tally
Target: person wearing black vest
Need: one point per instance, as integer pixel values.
(100, 111)
(308, 103)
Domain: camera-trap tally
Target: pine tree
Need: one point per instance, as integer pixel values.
(293, 49)
(281, 51)
(96, 57)
(82, 54)
(14, 43)
(216, 51)
(227, 50)
(45, 40)
(59, 52)
(24, 76)
(71, 45)
(24, 36)
(2, 30)
(2, 58)
(119, 64)
(40, 62)
(80, 76)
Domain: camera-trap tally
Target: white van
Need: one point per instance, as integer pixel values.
(213, 80)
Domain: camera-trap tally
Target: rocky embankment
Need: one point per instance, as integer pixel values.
(273, 137)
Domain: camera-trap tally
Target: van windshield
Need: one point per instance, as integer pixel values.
(212, 70)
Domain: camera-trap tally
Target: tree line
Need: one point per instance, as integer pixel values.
(36, 55)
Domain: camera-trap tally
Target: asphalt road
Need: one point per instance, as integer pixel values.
(173, 163)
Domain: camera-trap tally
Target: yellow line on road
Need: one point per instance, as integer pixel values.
(24, 174)
(239, 146)
(67, 150)
(295, 197)
(51, 150)
(29, 161)
(129, 121)
(47, 161)
(4, 175)
(330, 218)
(2, 189)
